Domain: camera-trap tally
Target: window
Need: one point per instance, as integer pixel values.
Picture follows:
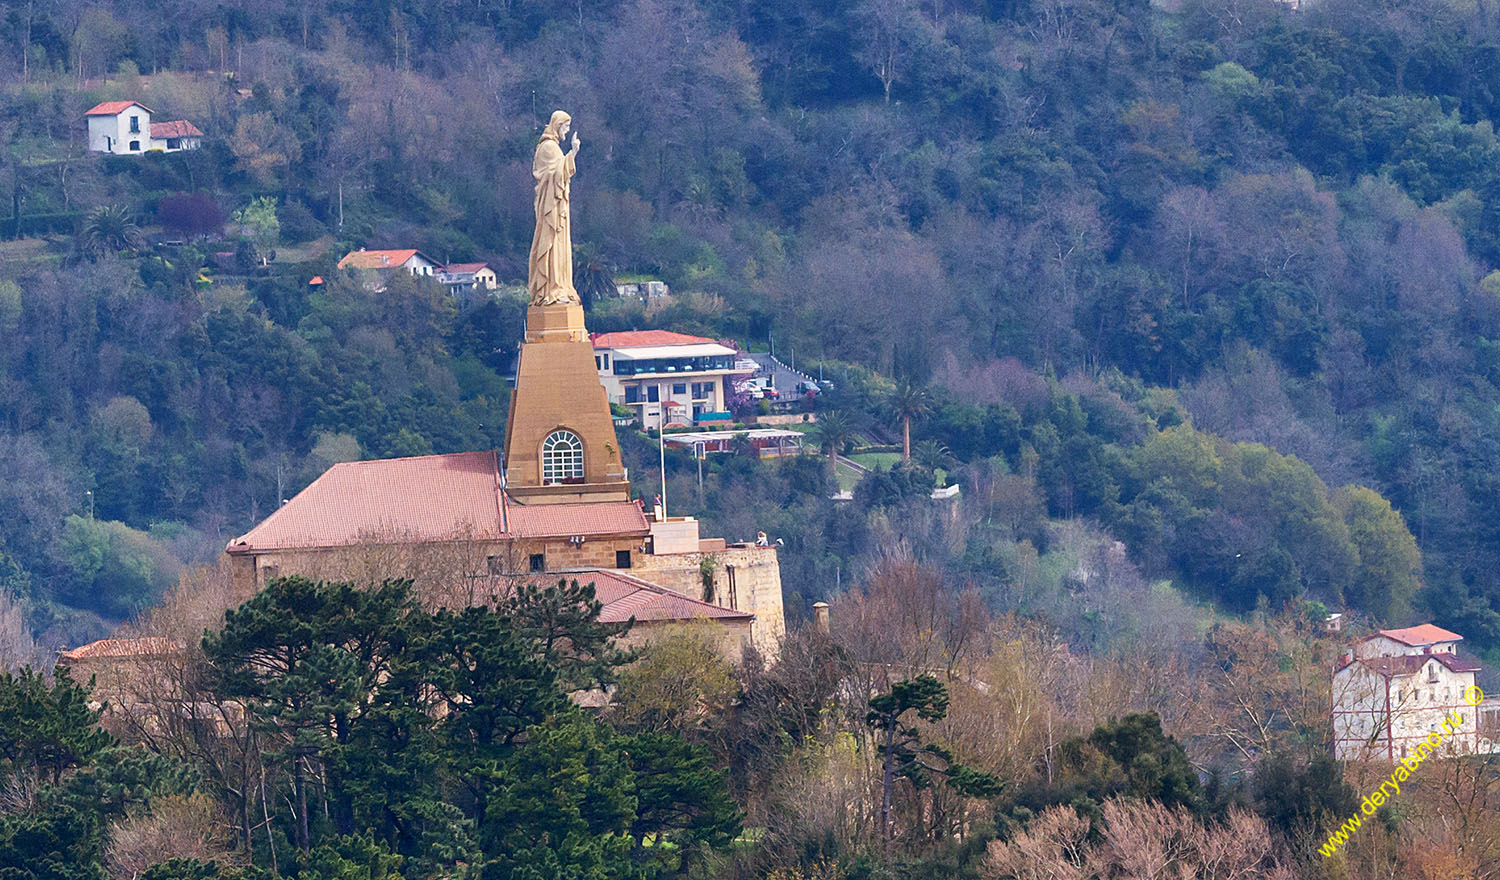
(1432, 673)
(135, 125)
(653, 393)
(562, 458)
(538, 562)
(679, 387)
(494, 565)
(598, 362)
(135, 146)
(632, 394)
(703, 390)
(606, 360)
(622, 559)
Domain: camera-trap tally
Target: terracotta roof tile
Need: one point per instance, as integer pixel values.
(1423, 634)
(426, 498)
(464, 268)
(114, 108)
(177, 128)
(641, 338)
(1410, 664)
(585, 518)
(149, 646)
(625, 596)
(430, 497)
(387, 259)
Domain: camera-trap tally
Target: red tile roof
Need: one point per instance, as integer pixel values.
(388, 259)
(642, 338)
(149, 646)
(587, 518)
(464, 268)
(1410, 664)
(1423, 634)
(625, 597)
(177, 128)
(114, 108)
(425, 498)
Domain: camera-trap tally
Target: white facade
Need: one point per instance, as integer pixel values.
(1397, 688)
(124, 132)
(125, 128)
(667, 378)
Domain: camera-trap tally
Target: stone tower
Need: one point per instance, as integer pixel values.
(560, 442)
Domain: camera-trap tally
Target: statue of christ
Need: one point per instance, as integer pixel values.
(550, 275)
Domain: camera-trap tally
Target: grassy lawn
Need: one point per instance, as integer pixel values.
(876, 461)
(848, 477)
(301, 253)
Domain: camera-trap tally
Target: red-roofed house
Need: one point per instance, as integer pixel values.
(125, 128)
(410, 259)
(667, 377)
(1395, 689)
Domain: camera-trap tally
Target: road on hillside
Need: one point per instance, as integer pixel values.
(783, 378)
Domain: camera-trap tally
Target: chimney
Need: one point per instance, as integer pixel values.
(820, 616)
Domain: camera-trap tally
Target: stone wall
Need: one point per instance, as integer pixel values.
(744, 578)
(454, 573)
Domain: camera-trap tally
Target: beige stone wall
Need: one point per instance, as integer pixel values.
(731, 637)
(557, 387)
(744, 578)
(453, 573)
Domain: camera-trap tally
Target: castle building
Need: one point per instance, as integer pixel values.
(558, 505)
(1395, 688)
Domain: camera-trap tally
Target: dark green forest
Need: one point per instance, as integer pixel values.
(1211, 278)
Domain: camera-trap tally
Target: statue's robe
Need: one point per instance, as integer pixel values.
(550, 278)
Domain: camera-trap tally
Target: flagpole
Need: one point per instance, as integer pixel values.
(661, 440)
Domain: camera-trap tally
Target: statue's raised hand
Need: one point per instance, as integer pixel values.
(577, 142)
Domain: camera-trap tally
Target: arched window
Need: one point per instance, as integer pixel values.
(562, 458)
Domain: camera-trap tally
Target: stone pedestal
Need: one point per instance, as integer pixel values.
(558, 388)
(559, 323)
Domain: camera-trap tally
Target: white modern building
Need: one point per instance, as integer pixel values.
(1394, 689)
(125, 128)
(667, 378)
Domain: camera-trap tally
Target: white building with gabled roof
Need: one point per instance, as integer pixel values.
(125, 128)
(1394, 689)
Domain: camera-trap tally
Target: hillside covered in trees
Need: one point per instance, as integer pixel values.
(1095, 233)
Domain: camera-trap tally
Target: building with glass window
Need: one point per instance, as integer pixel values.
(467, 525)
(667, 378)
(1396, 689)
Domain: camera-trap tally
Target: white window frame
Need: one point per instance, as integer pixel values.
(562, 458)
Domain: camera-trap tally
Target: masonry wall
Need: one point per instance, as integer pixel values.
(454, 573)
(744, 578)
(1417, 709)
(730, 636)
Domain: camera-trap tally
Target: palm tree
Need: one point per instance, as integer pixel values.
(834, 430)
(933, 455)
(111, 229)
(909, 401)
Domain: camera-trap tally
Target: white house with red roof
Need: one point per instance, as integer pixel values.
(667, 378)
(1394, 689)
(410, 259)
(125, 128)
